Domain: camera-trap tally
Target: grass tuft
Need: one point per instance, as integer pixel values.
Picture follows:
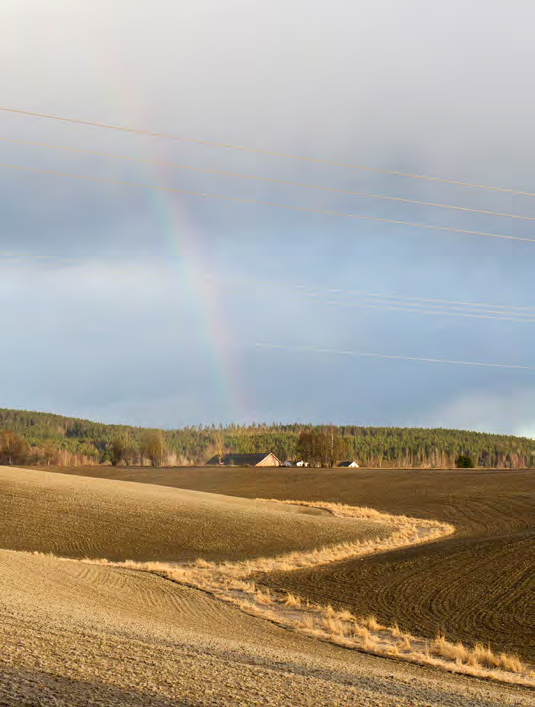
(291, 601)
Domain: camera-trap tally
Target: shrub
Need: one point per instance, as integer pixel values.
(464, 462)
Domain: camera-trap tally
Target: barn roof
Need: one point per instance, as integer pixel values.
(240, 459)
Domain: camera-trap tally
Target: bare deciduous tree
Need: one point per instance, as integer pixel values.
(154, 447)
(13, 449)
(219, 444)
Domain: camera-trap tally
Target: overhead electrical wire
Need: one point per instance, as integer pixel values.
(395, 306)
(405, 299)
(393, 303)
(290, 207)
(390, 298)
(285, 182)
(342, 352)
(439, 302)
(255, 150)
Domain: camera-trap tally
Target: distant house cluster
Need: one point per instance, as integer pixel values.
(262, 459)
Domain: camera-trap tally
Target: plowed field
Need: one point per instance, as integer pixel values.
(476, 585)
(72, 516)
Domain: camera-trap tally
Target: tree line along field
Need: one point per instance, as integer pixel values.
(53, 439)
(477, 585)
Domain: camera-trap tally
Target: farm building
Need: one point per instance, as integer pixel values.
(260, 459)
(349, 465)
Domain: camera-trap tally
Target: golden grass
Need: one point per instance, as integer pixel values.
(263, 596)
(345, 615)
(292, 601)
(405, 641)
(479, 656)
(372, 623)
(395, 630)
(306, 621)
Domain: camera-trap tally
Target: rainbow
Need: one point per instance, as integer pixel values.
(187, 256)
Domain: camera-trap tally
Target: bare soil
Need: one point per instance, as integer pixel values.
(73, 516)
(79, 635)
(475, 586)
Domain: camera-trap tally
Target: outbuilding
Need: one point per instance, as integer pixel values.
(349, 465)
(259, 459)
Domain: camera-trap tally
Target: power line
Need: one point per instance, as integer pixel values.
(244, 148)
(470, 305)
(267, 203)
(419, 301)
(439, 312)
(270, 180)
(416, 309)
(397, 303)
(338, 352)
(391, 299)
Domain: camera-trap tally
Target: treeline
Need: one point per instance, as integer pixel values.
(53, 439)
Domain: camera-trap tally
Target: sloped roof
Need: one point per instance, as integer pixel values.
(239, 459)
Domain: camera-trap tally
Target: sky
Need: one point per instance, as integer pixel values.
(157, 307)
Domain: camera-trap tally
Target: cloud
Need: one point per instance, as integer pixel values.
(133, 331)
(513, 412)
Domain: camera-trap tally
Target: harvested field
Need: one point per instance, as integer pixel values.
(79, 634)
(475, 586)
(78, 517)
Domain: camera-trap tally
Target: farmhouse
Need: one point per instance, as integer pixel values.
(260, 459)
(349, 465)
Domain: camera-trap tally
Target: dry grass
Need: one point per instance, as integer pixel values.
(372, 623)
(395, 630)
(360, 632)
(343, 510)
(306, 621)
(345, 615)
(405, 641)
(477, 657)
(292, 601)
(263, 597)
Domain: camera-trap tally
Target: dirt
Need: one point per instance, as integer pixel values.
(73, 633)
(78, 634)
(72, 516)
(476, 586)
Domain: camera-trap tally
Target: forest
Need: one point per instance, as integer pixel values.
(44, 438)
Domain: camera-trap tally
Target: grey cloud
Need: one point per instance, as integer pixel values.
(412, 86)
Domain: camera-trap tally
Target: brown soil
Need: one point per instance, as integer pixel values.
(475, 586)
(84, 635)
(72, 516)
